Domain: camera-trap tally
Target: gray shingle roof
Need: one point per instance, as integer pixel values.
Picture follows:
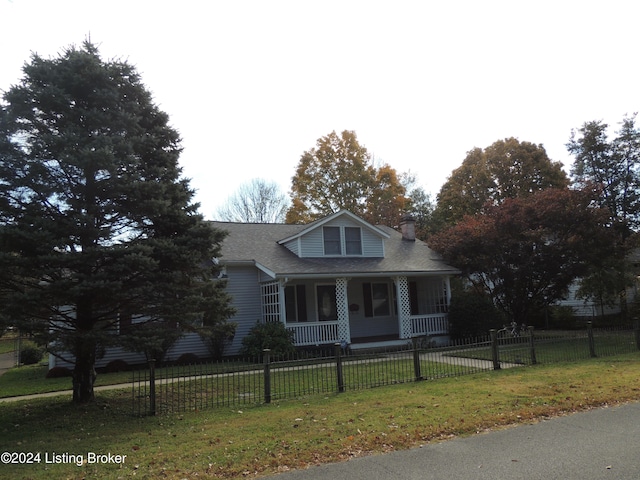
(258, 242)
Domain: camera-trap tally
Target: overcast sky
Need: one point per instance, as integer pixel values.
(251, 85)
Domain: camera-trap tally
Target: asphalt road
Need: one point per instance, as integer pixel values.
(595, 445)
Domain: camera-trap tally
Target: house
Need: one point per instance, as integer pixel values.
(590, 307)
(339, 279)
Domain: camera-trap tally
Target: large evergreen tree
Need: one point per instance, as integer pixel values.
(612, 166)
(98, 231)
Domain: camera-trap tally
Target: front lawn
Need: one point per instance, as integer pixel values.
(235, 443)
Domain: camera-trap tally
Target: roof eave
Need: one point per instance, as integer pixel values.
(433, 273)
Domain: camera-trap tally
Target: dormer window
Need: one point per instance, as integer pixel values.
(332, 244)
(342, 240)
(353, 240)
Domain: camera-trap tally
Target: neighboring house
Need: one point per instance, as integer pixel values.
(339, 279)
(590, 307)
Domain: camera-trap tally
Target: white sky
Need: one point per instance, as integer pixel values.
(252, 84)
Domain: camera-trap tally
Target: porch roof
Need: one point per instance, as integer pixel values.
(257, 244)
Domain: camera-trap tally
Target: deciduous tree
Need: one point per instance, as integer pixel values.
(338, 174)
(98, 229)
(418, 204)
(506, 169)
(526, 251)
(386, 202)
(257, 201)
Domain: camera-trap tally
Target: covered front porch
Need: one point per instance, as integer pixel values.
(355, 310)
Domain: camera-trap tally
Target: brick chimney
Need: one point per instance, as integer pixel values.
(408, 228)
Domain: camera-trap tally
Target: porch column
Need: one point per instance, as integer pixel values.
(404, 307)
(342, 307)
(282, 306)
(447, 285)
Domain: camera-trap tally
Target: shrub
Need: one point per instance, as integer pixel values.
(563, 317)
(217, 337)
(59, 372)
(116, 366)
(30, 354)
(271, 335)
(187, 359)
(472, 315)
(153, 339)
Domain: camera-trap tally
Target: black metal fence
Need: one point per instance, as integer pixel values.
(172, 389)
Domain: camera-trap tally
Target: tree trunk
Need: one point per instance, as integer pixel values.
(84, 372)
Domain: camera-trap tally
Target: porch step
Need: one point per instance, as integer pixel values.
(359, 345)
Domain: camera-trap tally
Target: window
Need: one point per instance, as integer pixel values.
(332, 244)
(353, 241)
(376, 299)
(295, 297)
(333, 241)
(326, 302)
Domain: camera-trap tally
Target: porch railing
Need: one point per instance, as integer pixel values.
(316, 333)
(434, 324)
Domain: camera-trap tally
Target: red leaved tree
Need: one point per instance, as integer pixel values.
(525, 252)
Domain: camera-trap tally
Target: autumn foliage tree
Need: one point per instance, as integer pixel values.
(387, 199)
(506, 169)
(338, 174)
(524, 252)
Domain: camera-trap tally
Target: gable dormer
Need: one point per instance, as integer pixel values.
(340, 235)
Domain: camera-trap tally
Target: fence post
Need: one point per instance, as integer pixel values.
(636, 332)
(416, 359)
(338, 348)
(532, 346)
(592, 345)
(152, 387)
(494, 349)
(267, 375)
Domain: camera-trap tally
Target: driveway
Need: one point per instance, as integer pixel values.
(7, 361)
(595, 445)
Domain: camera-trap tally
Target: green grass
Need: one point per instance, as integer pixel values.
(556, 347)
(247, 387)
(30, 379)
(236, 443)
(358, 374)
(7, 344)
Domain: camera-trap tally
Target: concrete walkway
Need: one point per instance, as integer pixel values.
(7, 361)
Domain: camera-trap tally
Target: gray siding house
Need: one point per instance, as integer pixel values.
(339, 279)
